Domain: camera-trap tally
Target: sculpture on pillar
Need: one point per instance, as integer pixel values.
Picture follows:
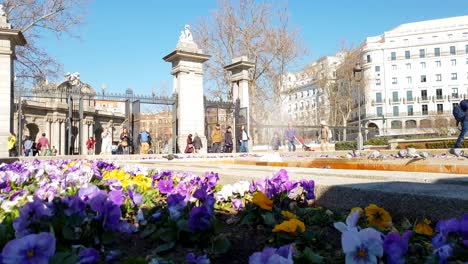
(186, 35)
(2, 11)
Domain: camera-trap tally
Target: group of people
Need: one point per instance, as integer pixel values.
(220, 142)
(290, 137)
(31, 148)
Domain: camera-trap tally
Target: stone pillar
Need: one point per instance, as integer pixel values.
(239, 69)
(55, 140)
(46, 130)
(9, 38)
(187, 68)
(62, 137)
(84, 150)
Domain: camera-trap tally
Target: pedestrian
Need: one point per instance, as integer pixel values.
(290, 136)
(12, 145)
(144, 138)
(216, 139)
(228, 144)
(189, 147)
(244, 140)
(90, 144)
(125, 140)
(275, 142)
(43, 145)
(106, 143)
(28, 147)
(325, 136)
(54, 151)
(197, 143)
(464, 124)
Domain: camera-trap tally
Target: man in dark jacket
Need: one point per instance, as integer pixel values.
(228, 140)
(464, 124)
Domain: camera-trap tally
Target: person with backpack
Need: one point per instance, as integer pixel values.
(145, 141)
(28, 147)
(461, 116)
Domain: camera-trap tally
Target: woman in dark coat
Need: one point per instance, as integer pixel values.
(189, 148)
(197, 144)
(228, 144)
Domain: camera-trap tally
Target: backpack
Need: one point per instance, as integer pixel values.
(144, 137)
(458, 111)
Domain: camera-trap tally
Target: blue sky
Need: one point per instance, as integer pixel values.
(122, 42)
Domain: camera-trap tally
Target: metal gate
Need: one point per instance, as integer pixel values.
(219, 112)
(135, 125)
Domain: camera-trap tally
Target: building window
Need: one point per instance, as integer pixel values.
(466, 49)
(454, 76)
(409, 95)
(423, 65)
(394, 67)
(410, 110)
(377, 68)
(395, 96)
(394, 80)
(424, 110)
(407, 54)
(455, 92)
(396, 111)
(438, 77)
(423, 78)
(393, 56)
(454, 62)
(377, 82)
(439, 94)
(453, 51)
(378, 97)
(438, 64)
(379, 111)
(437, 52)
(424, 95)
(440, 109)
(409, 80)
(422, 53)
(408, 66)
(368, 58)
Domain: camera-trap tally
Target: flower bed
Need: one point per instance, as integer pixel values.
(96, 212)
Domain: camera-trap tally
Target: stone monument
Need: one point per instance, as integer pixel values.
(187, 68)
(9, 38)
(239, 71)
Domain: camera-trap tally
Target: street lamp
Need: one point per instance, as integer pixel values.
(357, 77)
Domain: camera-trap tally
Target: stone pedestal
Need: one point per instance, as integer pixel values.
(187, 68)
(9, 38)
(239, 69)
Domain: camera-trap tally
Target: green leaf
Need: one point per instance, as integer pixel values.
(68, 233)
(149, 229)
(182, 224)
(221, 245)
(168, 235)
(309, 256)
(164, 247)
(269, 219)
(249, 219)
(64, 258)
(108, 238)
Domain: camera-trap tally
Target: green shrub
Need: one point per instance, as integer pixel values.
(445, 144)
(377, 141)
(345, 145)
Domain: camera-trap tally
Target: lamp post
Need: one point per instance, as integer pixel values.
(357, 77)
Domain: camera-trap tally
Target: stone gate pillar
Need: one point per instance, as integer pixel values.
(239, 69)
(187, 68)
(9, 38)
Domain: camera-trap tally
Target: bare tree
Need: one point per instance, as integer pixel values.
(260, 31)
(34, 18)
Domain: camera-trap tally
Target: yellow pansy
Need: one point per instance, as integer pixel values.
(290, 226)
(378, 216)
(71, 164)
(424, 228)
(288, 215)
(261, 200)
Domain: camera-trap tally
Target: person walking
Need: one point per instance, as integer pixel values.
(43, 145)
(228, 143)
(244, 140)
(28, 147)
(125, 140)
(325, 136)
(12, 145)
(90, 144)
(144, 138)
(216, 139)
(197, 143)
(106, 143)
(464, 124)
(275, 142)
(189, 147)
(290, 136)
(53, 151)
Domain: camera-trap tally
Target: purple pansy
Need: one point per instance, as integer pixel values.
(191, 258)
(396, 247)
(88, 256)
(31, 212)
(199, 218)
(116, 197)
(165, 186)
(238, 204)
(282, 255)
(34, 248)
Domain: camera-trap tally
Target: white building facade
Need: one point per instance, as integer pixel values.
(414, 74)
(305, 100)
